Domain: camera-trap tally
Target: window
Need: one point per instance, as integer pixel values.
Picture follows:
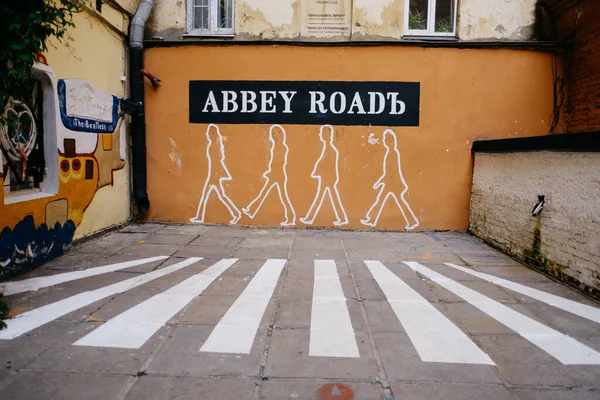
(210, 17)
(29, 161)
(430, 17)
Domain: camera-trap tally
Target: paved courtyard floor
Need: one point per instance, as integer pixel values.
(157, 311)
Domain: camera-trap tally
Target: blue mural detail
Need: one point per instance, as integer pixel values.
(26, 247)
(85, 124)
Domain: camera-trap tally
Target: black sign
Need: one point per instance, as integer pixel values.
(305, 103)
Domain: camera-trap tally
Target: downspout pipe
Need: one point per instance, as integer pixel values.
(138, 120)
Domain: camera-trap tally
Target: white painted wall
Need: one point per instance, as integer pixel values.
(505, 190)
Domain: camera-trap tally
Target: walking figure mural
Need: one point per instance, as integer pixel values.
(276, 178)
(391, 184)
(217, 174)
(326, 171)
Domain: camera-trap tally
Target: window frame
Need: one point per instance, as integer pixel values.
(430, 31)
(49, 185)
(213, 30)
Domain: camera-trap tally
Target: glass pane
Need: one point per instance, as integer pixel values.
(225, 14)
(444, 16)
(417, 17)
(201, 14)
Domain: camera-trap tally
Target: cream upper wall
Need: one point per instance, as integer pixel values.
(506, 19)
(371, 19)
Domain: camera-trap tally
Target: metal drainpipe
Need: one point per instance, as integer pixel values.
(138, 121)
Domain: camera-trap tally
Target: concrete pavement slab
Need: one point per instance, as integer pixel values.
(19, 352)
(160, 238)
(284, 389)
(227, 231)
(450, 391)
(181, 355)
(144, 227)
(71, 261)
(6, 375)
(320, 242)
(298, 288)
(317, 254)
(96, 282)
(262, 252)
(124, 237)
(268, 241)
(189, 229)
(220, 241)
(33, 386)
(401, 362)
(556, 394)
(143, 250)
(63, 356)
(180, 388)
(381, 254)
(521, 363)
(289, 358)
(519, 274)
(142, 268)
(206, 251)
(102, 248)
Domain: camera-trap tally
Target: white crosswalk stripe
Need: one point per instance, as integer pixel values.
(331, 333)
(237, 329)
(562, 347)
(132, 328)
(583, 310)
(45, 281)
(33, 319)
(435, 337)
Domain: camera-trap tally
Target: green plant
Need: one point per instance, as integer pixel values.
(444, 25)
(417, 20)
(25, 26)
(3, 312)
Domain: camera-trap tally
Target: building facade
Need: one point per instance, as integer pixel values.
(74, 180)
(337, 113)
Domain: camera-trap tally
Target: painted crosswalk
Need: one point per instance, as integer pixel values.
(433, 335)
(237, 329)
(135, 326)
(331, 333)
(562, 347)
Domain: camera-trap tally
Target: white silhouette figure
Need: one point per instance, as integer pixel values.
(326, 171)
(391, 184)
(276, 177)
(217, 174)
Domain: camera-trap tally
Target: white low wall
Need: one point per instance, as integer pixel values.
(564, 239)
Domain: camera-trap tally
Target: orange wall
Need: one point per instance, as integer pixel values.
(465, 95)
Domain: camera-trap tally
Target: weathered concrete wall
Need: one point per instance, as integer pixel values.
(507, 19)
(564, 240)
(370, 19)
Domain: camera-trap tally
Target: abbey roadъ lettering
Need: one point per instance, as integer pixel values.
(305, 102)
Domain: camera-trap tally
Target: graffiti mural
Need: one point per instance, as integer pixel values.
(81, 134)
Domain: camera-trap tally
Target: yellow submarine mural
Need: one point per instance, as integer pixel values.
(81, 135)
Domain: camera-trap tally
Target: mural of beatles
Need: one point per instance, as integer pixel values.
(390, 185)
